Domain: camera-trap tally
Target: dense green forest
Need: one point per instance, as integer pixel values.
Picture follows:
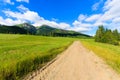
(12, 30)
(43, 30)
(107, 36)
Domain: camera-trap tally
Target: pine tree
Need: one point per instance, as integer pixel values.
(109, 37)
(116, 35)
(99, 34)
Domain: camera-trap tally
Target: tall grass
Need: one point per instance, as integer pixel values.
(109, 53)
(21, 54)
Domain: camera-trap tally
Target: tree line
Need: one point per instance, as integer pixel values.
(107, 36)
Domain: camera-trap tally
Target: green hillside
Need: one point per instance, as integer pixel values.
(28, 27)
(46, 30)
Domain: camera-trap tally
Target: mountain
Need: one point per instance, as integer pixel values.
(46, 30)
(43, 30)
(28, 27)
(12, 29)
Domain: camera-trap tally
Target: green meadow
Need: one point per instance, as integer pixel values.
(109, 53)
(21, 54)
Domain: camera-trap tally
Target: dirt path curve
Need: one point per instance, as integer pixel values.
(77, 63)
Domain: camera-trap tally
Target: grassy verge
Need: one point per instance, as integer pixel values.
(110, 53)
(21, 54)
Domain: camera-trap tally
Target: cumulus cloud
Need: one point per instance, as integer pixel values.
(112, 9)
(116, 20)
(110, 17)
(96, 5)
(9, 21)
(111, 14)
(22, 8)
(81, 26)
(82, 17)
(54, 19)
(93, 17)
(28, 15)
(27, 1)
(25, 15)
(9, 2)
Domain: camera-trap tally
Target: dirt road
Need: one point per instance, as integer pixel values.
(77, 63)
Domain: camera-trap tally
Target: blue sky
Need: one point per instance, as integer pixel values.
(79, 15)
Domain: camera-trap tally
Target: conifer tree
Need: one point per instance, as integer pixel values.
(99, 34)
(116, 34)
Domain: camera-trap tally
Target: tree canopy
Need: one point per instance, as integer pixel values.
(107, 36)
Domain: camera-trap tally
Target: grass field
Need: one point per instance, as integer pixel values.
(109, 53)
(20, 54)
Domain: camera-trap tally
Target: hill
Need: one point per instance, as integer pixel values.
(46, 30)
(28, 27)
(43, 30)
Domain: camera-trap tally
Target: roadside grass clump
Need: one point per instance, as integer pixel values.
(109, 53)
(21, 54)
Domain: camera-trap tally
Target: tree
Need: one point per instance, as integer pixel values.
(116, 34)
(99, 34)
(107, 36)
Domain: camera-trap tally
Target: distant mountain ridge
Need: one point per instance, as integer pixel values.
(46, 30)
(28, 27)
(43, 30)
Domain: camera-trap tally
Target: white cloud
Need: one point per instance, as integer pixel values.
(81, 26)
(54, 19)
(111, 13)
(116, 20)
(96, 5)
(79, 29)
(112, 9)
(22, 8)
(27, 1)
(82, 17)
(25, 15)
(110, 17)
(64, 25)
(28, 15)
(93, 18)
(9, 21)
(9, 2)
